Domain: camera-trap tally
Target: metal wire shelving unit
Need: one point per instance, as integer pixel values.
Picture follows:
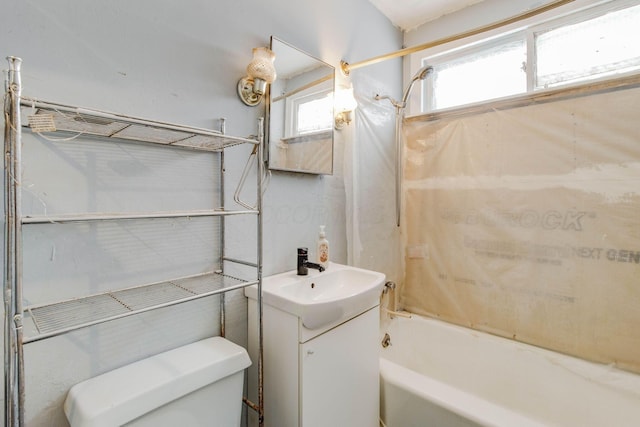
(26, 324)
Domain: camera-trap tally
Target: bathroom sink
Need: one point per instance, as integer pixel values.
(318, 299)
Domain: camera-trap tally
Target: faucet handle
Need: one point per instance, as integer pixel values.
(303, 257)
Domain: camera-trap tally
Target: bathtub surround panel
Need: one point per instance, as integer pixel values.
(524, 222)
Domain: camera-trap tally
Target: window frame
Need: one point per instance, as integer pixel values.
(462, 52)
(577, 18)
(526, 30)
(291, 108)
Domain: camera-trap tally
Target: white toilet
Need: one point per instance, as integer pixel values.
(199, 384)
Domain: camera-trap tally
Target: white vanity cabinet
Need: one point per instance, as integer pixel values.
(319, 378)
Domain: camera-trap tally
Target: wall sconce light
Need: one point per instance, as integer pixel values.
(260, 72)
(344, 105)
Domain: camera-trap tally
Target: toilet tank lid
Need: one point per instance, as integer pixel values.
(126, 393)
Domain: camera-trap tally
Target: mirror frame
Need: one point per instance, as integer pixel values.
(270, 144)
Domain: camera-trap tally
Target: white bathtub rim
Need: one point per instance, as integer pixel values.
(589, 406)
(607, 376)
(443, 395)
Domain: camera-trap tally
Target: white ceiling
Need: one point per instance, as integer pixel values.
(409, 14)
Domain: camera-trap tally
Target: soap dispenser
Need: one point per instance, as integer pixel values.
(323, 248)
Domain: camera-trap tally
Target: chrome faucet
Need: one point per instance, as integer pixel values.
(303, 263)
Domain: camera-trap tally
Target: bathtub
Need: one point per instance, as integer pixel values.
(436, 374)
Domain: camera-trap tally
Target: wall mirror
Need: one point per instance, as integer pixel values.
(300, 112)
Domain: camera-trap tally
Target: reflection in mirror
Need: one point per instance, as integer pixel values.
(300, 112)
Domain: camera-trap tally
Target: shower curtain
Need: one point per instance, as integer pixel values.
(525, 222)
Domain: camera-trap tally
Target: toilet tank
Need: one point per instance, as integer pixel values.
(199, 384)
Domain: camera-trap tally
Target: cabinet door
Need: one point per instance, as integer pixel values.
(339, 375)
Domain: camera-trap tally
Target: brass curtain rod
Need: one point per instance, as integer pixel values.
(304, 87)
(346, 67)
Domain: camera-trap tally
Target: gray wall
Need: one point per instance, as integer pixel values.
(179, 62)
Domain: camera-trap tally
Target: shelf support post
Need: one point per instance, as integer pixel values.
(261, 173)
(13, 364)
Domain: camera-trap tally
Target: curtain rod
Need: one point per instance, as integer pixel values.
(304, 87)
(346, 67)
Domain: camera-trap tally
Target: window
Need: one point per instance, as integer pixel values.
(592, 44)
(494, 71)
(601, 46)
(308, 108)
(312, 113)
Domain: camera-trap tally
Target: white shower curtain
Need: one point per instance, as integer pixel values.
(373, 238)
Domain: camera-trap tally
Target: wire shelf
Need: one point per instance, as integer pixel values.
(61, 317)
(45, 117)
(106, 216)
